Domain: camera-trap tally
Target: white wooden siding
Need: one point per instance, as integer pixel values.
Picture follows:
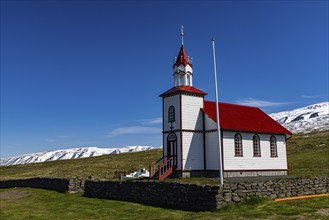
(212, 151)
(209, 123)
(167, 102)
(248, 161)
(193, 151)
(191, 113)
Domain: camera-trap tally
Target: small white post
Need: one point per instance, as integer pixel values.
(217, 117)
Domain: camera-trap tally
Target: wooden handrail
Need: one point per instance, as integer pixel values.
(166, 169)
(163, 168)
(154, 168)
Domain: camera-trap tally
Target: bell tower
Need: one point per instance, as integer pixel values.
(183, 71)
(182, 118)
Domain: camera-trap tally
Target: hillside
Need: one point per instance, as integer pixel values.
(100, 167)
(308, 155)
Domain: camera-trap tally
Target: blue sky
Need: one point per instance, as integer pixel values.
(89, 73)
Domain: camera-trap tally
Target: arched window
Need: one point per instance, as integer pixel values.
(273, 145)
(256, 145)
(171, 114)
(238, 145)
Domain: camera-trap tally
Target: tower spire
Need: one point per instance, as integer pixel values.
(182, 34)
(182, 67)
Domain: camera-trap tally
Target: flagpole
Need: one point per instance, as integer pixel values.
(217, 117)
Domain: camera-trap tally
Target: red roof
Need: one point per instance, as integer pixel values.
(243, 118)
(182, 58)
(186, 89)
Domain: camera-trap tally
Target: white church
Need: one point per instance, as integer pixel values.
(251, 142)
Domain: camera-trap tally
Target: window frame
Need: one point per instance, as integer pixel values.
(273, 146)
(256, 137)
(171, 114)
(238, 152)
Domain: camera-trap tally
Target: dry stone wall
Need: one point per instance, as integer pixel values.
(163, 194)
(179, 196)
(273, 189)
(202, 197)
(60, 185)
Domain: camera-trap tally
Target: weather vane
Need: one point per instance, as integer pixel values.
(182, 34)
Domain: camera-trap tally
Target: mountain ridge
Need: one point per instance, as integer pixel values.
(72, 153)
(306, 119)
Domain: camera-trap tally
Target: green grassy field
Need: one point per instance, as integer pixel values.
(308, 156)
(46, 204)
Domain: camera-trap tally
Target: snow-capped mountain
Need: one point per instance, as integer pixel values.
(70, 154)
(307, 119)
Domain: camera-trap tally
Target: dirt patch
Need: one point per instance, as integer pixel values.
(13, 194)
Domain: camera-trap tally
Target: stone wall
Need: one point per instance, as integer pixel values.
(60, 185)
(273, 189)
(76, 185)
(176, 195)
(163, 194)
(202, 197)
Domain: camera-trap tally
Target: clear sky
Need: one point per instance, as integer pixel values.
(89, 73)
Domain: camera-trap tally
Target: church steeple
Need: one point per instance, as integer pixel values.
(182, 58)
(182, 67)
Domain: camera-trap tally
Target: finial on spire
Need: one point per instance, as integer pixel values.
(182, 34)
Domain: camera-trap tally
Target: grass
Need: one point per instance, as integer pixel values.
(308, 156)
(46, 204)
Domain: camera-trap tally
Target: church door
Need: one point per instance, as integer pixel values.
(172, 147)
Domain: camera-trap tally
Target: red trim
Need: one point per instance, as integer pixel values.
(181, 133)
(255, 170)
(204, 143)
(190, 90)
(222, 148)
(238, 155)
(188, 130)
(287, 155)
(245, 131)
